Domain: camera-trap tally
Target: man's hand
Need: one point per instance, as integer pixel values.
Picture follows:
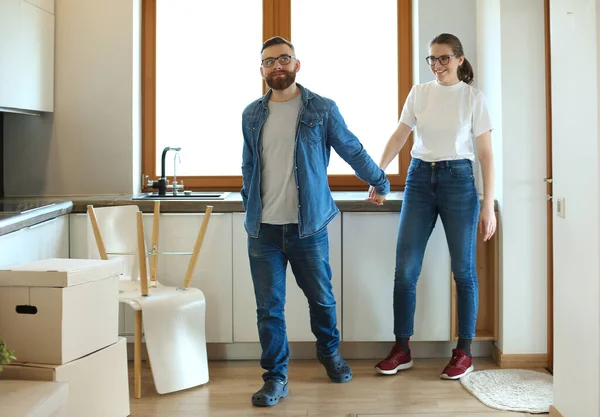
(374, 197)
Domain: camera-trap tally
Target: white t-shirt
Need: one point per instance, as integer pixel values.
(447, 120)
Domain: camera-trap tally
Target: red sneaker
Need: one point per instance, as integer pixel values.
(459, 365)
(396, 361)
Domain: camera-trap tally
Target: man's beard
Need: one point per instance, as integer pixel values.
(281, 83)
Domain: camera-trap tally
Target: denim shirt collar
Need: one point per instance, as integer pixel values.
(305, 93)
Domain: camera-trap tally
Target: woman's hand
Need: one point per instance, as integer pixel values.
(487, 218)
(487, 222)
(374, 197)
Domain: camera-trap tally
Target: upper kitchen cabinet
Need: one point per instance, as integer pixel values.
(27, 56)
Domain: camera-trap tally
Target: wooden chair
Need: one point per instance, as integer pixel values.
(173, 317)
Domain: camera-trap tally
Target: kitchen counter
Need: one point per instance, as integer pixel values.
(27, 212)
(51, 207)
(346, 201)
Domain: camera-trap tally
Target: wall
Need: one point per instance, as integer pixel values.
(488, 67)
(575, 103)
(457, 17)
(88, 145)
(514, 83)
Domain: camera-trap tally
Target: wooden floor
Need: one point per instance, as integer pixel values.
(418, 392)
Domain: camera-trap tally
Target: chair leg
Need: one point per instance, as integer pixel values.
(137, 356)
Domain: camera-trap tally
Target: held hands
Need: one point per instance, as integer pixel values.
(487, 222)
(374, 197)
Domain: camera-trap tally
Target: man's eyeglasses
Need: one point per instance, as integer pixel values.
(444, 59)
(283, 60)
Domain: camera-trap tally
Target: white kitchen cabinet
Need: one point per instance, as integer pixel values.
(78, 236)
(369, 259)
(13, 249)
(27, 55)
(49, 239)
(296, 310)
(213, 272)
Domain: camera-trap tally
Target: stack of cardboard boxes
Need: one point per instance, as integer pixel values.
(60, 316)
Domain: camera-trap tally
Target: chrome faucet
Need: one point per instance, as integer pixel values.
(175, 158)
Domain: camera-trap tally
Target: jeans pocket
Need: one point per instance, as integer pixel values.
(412, 168)
(462, 171)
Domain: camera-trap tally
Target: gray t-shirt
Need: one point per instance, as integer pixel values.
(278, 186)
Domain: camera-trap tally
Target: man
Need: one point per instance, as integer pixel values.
(288, 135)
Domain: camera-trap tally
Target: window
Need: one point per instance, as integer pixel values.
(205, 77)
(356, 68)
(201, 68)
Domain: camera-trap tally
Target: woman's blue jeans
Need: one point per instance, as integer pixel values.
(447, 189)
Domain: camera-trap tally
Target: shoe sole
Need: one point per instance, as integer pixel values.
(394, 371)
(339, 379)
(264, 403)
(468, 371)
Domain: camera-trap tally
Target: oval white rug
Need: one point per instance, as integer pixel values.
(511, 389)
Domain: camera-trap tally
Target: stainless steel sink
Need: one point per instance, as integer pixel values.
(185, 196)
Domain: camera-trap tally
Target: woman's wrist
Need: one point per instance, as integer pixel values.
(488, 203)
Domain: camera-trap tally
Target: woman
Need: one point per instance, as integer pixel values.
(449, 116)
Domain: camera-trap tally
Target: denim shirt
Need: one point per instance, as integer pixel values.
(320, 127)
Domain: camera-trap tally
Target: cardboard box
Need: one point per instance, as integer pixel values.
(98, 383)
(33, 399)
(57, 310)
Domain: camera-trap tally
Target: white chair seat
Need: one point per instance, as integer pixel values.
(174, 322)
(133, 298)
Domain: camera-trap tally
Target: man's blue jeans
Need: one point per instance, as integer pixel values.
(447, 189)
(309, 259)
